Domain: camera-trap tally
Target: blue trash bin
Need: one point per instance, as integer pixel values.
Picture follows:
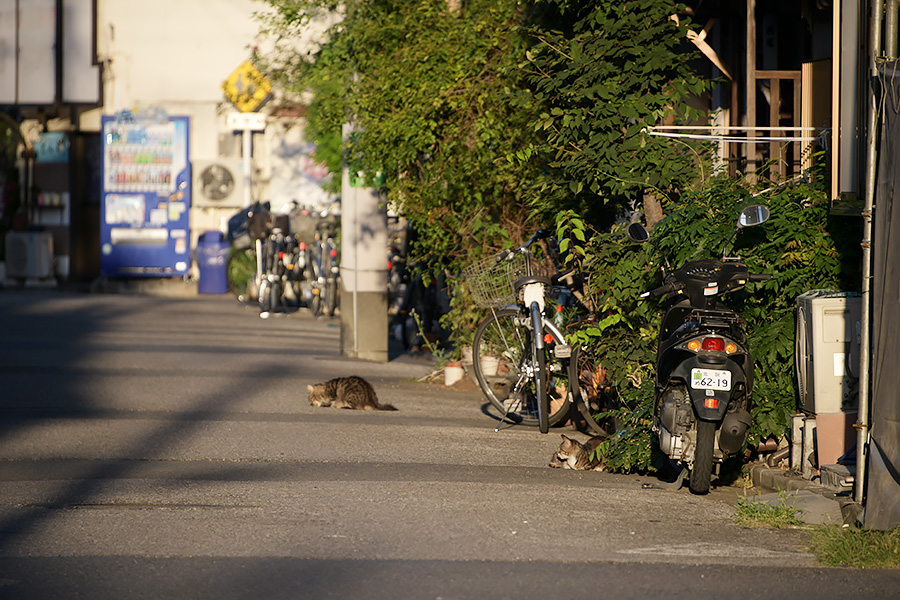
(212, 260)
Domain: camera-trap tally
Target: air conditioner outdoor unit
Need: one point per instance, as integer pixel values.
(827, 351)
(218, 183)
(29, 254)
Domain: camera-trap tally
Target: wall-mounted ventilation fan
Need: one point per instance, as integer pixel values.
(218, 183)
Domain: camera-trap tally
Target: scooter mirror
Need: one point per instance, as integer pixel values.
(637, 233)
(753, 215)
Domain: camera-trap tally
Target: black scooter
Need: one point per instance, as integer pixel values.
(704, 371)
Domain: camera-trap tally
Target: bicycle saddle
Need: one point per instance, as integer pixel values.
(542, 279)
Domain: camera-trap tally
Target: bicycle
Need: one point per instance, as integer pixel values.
(272, 271)
(263, 263)
(532, 380)
(310, 257)
(244, 229)
(323, 269)
(520, 356)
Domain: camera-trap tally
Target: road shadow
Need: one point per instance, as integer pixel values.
(53, 369)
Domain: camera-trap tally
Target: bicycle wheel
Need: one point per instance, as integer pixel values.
(317, 281)
(594, 394)
(265, 296)
(505, 368)
(276, 297)
(330, 261)
(294, 276)
(330, 300)
(539, 358)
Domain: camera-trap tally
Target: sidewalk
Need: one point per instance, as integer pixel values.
(165, 288)
(819, 504)
(162, 288)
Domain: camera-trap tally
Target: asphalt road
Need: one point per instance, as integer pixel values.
(164, 448)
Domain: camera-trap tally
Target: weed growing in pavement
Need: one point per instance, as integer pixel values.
(744, 482)
(838, 546)
(441, 355)
(777, 515)
(833, 545)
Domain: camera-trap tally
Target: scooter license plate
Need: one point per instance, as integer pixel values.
(710, 379)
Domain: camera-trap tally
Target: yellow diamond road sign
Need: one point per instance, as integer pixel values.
(247, 88)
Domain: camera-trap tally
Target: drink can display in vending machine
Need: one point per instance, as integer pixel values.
(145, 195)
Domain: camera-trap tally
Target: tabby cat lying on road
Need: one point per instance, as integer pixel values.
(346, 392)
(572, 454)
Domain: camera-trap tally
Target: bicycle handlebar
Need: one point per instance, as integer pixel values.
(538, 235)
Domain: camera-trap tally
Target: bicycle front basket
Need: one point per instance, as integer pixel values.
(491, 282)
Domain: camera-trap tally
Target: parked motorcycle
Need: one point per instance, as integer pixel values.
(704, 371)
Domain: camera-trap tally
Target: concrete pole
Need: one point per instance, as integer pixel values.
(364, 304)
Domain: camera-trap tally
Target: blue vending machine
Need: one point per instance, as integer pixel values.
(145, 196)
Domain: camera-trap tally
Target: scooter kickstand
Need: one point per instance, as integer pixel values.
(665, 485)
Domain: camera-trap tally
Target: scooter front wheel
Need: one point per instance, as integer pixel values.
(701, 471)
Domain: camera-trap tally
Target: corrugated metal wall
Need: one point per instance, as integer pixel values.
(883, 483)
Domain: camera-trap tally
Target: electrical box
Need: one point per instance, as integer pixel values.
(29, 254)
(827, 351)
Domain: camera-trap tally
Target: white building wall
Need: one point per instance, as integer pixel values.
(175, 54)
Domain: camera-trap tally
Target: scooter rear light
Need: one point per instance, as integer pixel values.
(693, 345)
(303, 245)
(730, 348)
(716, 344)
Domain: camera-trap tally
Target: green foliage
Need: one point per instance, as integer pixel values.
(490, 119)
(617, 338)
(241, 270)
(801, 245)
(630, 448)
(611, 69)
(429, 91)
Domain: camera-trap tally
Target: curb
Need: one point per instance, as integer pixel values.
(821, 505)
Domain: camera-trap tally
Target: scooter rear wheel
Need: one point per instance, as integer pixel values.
(701, 471)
